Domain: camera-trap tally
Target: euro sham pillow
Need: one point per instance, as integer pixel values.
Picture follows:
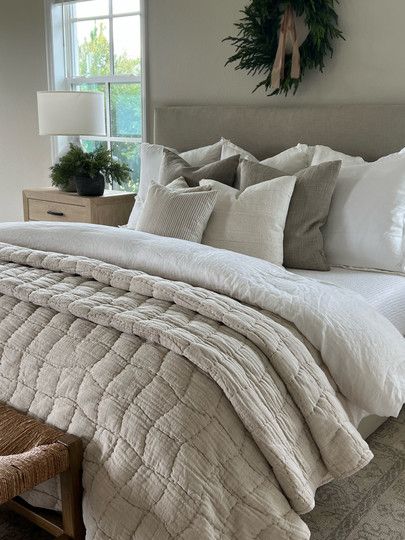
(176, 213)
(365, 227)
(173, 166)
(151, 160)
(291, 160)
(324, 153)
(250, 222)
(308, 211)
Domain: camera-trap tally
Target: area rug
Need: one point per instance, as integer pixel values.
(371, 504)
(367, 506)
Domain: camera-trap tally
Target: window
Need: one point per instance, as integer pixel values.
(96, 45)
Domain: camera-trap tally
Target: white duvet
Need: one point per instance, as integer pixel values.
(363, 351)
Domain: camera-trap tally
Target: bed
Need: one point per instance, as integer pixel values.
(214, 392)
(370, 131)
(384, 291)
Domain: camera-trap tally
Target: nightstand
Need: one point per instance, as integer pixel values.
(50, 204)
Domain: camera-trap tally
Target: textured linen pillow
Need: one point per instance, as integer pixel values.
(324, 153)
(308, 211)
(173, 166)
(151, 160)
(291, 160)
(250, 222)
(365, 227)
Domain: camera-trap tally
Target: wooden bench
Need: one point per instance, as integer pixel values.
(32, 452)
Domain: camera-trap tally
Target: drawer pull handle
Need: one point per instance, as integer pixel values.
(53, 213)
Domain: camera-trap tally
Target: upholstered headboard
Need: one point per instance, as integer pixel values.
(367, 130)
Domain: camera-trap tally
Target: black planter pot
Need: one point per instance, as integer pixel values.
(70, 187)
(90, 187)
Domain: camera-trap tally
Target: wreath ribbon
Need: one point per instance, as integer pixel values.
(287, 30)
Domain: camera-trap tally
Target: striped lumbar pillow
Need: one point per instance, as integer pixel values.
(177, 213)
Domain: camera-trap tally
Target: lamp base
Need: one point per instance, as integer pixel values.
(65, 145)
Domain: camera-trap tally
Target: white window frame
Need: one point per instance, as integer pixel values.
(60, 76)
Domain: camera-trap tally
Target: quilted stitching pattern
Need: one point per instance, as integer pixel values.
(200, 415)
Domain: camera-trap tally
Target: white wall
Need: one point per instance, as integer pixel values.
(24, 156)
(187, 57)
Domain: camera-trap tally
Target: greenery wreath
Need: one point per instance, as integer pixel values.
(258, 43)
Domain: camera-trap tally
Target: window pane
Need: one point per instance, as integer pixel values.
(89, 146)
(127, 45)
(129, 154)
(91, 8)
(126, 6)
(126, 110)
(90, 87)
(91, 48)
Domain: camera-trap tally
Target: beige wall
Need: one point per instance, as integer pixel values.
(187, 57)
(186, 61)
(24, 156)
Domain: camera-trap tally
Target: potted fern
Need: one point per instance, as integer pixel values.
(88, 172)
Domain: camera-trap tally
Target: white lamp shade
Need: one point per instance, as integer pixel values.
(71, 113)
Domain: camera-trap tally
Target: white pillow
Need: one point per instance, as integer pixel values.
(250, 222)
(365, 227)
(151, 159)
(291, 160)
(230, 149)
(180, 184)
(324, 153)
(394, 155)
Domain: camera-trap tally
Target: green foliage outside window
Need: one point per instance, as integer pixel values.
(125, 98)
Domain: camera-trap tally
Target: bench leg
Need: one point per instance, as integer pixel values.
(72, 492)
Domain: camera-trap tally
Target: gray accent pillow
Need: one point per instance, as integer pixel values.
(176, 213)
(173, 166)
(308, 212)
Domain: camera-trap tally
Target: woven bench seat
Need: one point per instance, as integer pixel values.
(31, 453)
(21, 472)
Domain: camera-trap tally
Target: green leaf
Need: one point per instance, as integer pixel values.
(256, 40)
(78, 162)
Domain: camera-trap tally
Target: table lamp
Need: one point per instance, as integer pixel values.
(72, 114)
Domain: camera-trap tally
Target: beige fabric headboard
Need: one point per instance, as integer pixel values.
(367, 130)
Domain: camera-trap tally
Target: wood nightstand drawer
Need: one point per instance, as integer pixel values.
(53, 211)
(49, 204)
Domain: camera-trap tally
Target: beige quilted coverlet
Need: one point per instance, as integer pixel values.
(203, 418)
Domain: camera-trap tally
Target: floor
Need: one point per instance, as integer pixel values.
(367, 506)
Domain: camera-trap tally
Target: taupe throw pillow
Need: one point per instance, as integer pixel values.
(308, 212)
(173, 166)
(176, 213)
